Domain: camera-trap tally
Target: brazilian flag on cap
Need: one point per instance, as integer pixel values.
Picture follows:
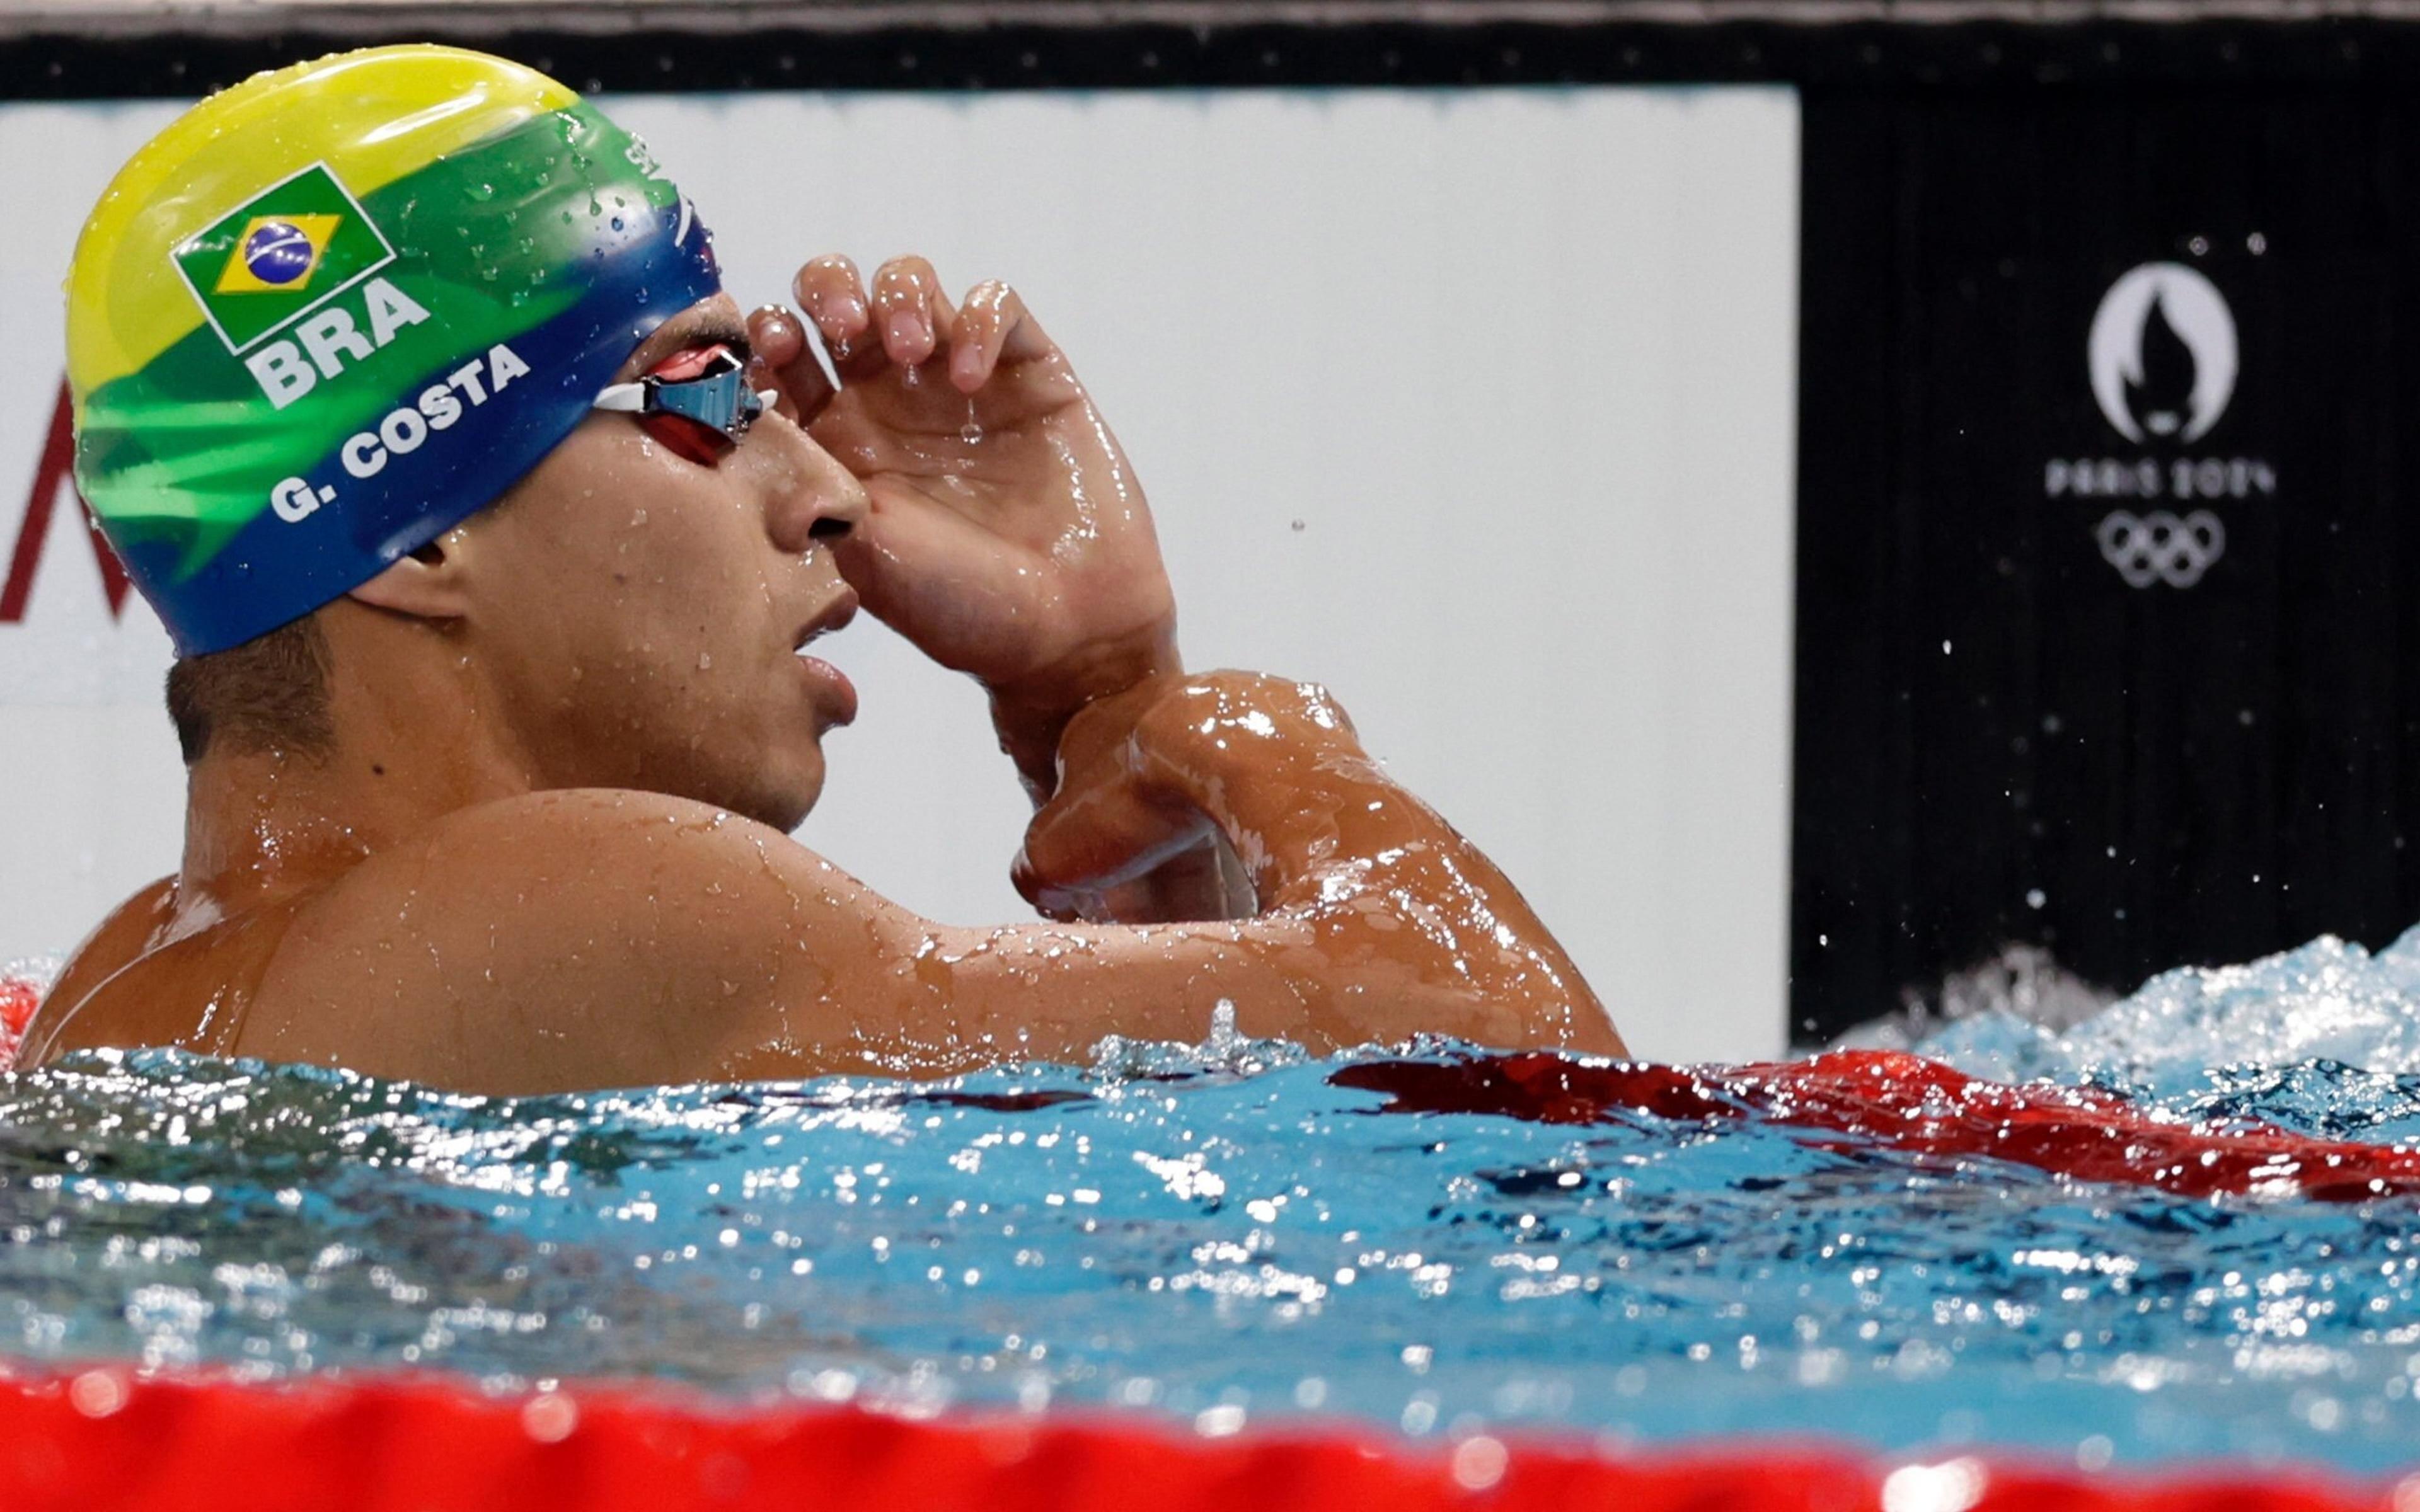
(332, 312)
(279, 253)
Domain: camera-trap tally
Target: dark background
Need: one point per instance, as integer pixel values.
(2180, 776)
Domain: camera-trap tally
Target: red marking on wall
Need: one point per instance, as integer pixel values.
(53, 473)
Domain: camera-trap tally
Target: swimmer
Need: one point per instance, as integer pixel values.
(493, 541)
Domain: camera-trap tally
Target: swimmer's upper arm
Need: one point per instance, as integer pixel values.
(789, 966)
(588, 939)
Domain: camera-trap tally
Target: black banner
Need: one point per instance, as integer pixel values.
(185, 50)
(2107, 628)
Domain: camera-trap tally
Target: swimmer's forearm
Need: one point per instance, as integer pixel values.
(1032, 715)
(1327, 978)
(1387, 891)
(1384, 879)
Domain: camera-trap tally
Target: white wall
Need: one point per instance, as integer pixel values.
(1476, 405)
(91, 793)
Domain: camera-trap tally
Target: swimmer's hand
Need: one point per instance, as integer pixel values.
(1007, 536)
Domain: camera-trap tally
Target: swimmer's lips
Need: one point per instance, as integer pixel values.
(838, 694)
(835, 616)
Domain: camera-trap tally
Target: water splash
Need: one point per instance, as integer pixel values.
(2326, 1003)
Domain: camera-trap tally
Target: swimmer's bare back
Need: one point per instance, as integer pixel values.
(521, 859)
(595, 938)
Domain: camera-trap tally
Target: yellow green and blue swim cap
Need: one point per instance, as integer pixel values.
(333, 311)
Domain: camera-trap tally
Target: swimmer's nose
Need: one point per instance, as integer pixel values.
(840, 509)
(817, 499)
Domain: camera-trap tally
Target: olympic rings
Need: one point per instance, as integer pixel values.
(2160, 548)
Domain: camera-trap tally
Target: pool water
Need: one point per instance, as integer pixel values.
(1225, 1235)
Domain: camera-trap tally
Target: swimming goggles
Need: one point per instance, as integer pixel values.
(697, 403)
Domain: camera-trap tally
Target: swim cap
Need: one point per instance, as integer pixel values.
(333, 311)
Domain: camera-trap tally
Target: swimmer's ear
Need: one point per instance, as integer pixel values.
(427, 584)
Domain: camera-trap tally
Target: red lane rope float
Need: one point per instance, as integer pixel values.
(1911, 1104)
(100, 1441)
(18, 1000)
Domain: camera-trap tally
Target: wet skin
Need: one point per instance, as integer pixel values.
(549, 849)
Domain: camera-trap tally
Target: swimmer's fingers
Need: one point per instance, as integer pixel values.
(993, 327)
(833, 297)
(911, 314)
(908, 320)
(784, 354)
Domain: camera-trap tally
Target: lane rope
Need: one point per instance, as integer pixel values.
(1906, 1101)
(101, 1441)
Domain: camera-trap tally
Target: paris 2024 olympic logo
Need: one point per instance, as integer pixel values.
(2163, 353)
(2163, 358)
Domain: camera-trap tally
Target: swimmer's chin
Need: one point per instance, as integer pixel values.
(784, 812)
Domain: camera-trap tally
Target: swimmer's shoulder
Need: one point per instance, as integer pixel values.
(126, 933)
(585, 937)
(145, 976)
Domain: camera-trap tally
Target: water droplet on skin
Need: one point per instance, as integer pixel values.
(970, 432)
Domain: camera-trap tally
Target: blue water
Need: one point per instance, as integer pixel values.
(1219, 1235)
